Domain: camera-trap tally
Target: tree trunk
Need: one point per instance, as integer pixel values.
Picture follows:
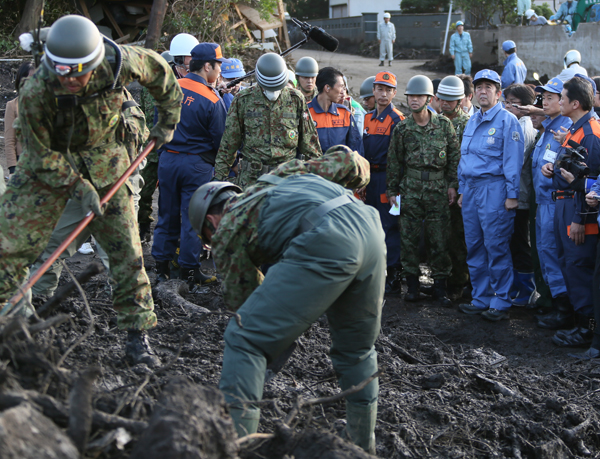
(157, 16)
(30, 16)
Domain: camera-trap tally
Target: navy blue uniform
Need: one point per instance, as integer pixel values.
(376, 140)
(336, 126)
(186, 163)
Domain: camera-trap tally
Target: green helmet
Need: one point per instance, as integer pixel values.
(366, 88)
(271, 72)
(307, 67)
(419, 85)
(166, 55)
(451, 88)
(208, 195)
(74, 46)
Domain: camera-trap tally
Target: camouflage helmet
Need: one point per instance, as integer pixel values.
(307, 67)
(271, 72)
(366, 88)
(73, 47)
(166, 55)
(451, 88)
(208, 195)
(419, 85)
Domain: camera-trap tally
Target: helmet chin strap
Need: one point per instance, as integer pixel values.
(421, 108)
(452, 112)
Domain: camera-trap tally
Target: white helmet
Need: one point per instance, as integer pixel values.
(573, 56)
(387, 16)
(182, 45)
(529, 14)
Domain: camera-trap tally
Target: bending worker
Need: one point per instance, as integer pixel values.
(330, 254)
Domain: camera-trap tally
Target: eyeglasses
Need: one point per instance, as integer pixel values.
(66, 69)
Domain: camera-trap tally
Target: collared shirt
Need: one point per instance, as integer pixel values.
(569, 73)
(514, 71)
(492, 146)
(377, 133)
(460, 43)
(543, 185)
(335, 126)
(202, 124)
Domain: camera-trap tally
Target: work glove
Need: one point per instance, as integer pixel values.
(84, 192)
(162, 133)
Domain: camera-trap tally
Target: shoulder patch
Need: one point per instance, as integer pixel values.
(516, 136)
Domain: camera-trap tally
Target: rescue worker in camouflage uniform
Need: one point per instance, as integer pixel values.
(70, 112)
(150, 171)
(269, 123)
(422, 160)
(330, 254)
(307, 70)
(134, 133)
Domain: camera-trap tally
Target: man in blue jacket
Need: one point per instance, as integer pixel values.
(489, 175)
(514, 68)
(187, 162)
(334, 122)
(461, 49)
(565, 12)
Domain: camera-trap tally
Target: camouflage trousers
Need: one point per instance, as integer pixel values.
(29, 210)
(150, 176)
(457, 249)
(432, 208)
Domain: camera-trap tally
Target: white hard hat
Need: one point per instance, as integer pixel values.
(571, 57)
(387, 15)
(529, 14)
(182, 45)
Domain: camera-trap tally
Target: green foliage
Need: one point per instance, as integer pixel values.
(483, 11)
(424, 6)
(308, 9)
(543, 10)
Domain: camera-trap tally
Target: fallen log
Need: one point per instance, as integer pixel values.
(170, 293)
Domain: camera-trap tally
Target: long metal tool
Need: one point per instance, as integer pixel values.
(69, 240)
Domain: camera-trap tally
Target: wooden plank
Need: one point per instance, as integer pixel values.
(123, 39)
(84, 9)
(237, 24)
(112, 20)
(250, 37)
(284, 30)
(254, 17)
(141, 19)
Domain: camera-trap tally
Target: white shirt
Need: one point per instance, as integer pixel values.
(569, 73)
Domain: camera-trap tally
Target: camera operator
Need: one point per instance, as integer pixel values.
(576, 228)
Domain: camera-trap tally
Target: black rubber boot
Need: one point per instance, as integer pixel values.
(413, 293)
(560, 318)
(163, 271)
(195, 277)
(393, 282)
(440, 294)
(427, 289)
(381, 64)
(137, 349)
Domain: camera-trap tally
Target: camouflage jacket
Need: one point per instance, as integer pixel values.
(311, 96)
(266, 132)
(236, 245)
(429, 148)
(459, 122)
(96, 148)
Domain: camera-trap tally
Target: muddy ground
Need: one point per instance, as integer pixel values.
(452, 386)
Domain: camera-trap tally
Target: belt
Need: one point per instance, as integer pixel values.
(425, 176)
(256, 167)
(311, 219)
(378, 167)
(562, 194)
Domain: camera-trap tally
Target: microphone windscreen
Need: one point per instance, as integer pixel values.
(329, 42)
(573, 144)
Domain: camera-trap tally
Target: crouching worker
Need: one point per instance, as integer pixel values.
(330, 258)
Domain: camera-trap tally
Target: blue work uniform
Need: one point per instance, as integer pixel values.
(376, 140)
(336, 126)
(544, 220)
(227, 99)
(565, 12)
(186, 163)
(460, 47)
(577, 262)
(489, 172)
(514, 71)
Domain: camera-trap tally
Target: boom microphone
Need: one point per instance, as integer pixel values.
(329, 42)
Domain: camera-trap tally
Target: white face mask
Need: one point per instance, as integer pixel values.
(272, 95)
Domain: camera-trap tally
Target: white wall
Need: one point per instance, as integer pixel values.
(358, 7)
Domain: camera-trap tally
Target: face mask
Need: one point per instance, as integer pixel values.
(272, 95)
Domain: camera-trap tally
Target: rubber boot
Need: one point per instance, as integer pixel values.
(514, 291)
(427, 289)
(360, 426)
(163, 271)
(138, 350)
(195, 277)
(527, 292)
(413, 293)
(440, 293)
(393, 282)
(561, 317)
(381, 64)
(245, 420)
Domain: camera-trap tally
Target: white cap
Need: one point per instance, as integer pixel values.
(529, 14)
(387, 15)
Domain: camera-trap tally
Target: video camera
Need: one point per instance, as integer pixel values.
(572, 160)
